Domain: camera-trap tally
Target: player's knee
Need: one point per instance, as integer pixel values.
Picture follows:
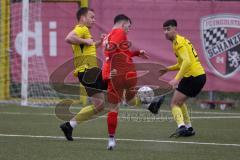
(99, 104)
(176, 103)
(180, 103)
(113, 110)
(100, 108)
(131, 102)
(113, 107)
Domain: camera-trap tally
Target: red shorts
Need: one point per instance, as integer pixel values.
(126, 78)
(106, 71)
(118, 84)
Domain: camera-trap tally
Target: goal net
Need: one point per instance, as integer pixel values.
(27, 75)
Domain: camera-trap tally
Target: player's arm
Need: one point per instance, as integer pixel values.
(162, 71)
(134, 53)
(73, 38)
(173, 67)
(186, 63)
(140, 53)
(100, 41)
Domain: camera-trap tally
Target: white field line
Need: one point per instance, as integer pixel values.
(140, 117)
(170, 118)
(33, 114)
(124, 139)
(140, 110)
(145, 110)
(167, 111)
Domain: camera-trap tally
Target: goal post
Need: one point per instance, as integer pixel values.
(24, 66)
(20, 80)
(4, 49)
(24, 75)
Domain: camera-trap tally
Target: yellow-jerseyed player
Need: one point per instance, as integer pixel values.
(86, 69)
(189, 80)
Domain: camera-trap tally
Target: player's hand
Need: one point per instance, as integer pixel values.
(103, 35)
(162, 71)
(142, 54)
(100, 41)
(113, 73)
(174, 83)
(89, 41)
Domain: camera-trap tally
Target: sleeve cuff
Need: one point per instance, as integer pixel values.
(135, 53)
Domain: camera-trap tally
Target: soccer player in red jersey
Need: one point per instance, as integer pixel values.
(119, 71)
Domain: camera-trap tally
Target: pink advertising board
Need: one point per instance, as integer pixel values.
(213, 28)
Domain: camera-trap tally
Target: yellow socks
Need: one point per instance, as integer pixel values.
(85, 113)
(186, 116)
(177, 115)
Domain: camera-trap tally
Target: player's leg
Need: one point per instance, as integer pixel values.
(188, 87)
(177, 100)
(186, 116)
(185, 87)
(130, 92)
(155, 105)
(195, 84)
(115, 95)
(85, 114)
(112, 122)
(94, 90)
(187, 120)
(129, 85)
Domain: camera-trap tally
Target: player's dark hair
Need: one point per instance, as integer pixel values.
(121, 17)
(170, 22)
(82, 12)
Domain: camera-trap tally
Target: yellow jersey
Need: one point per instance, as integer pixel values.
(188, 62)
(84, 55)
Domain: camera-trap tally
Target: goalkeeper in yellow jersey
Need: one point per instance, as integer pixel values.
(86, 69)
(189, 80)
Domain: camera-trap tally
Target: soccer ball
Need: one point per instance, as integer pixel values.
(222, 106)
(145, 94)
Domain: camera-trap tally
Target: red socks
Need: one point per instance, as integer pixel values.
(112, 120)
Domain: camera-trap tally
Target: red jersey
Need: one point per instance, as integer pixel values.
(117, 53)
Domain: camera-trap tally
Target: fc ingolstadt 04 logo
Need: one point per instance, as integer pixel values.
(220, 36)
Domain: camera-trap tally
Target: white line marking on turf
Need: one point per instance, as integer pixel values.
(33, 114)
(169, 118)
(130, 117)
(134, 110)
(124, 139)
(167, 111)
